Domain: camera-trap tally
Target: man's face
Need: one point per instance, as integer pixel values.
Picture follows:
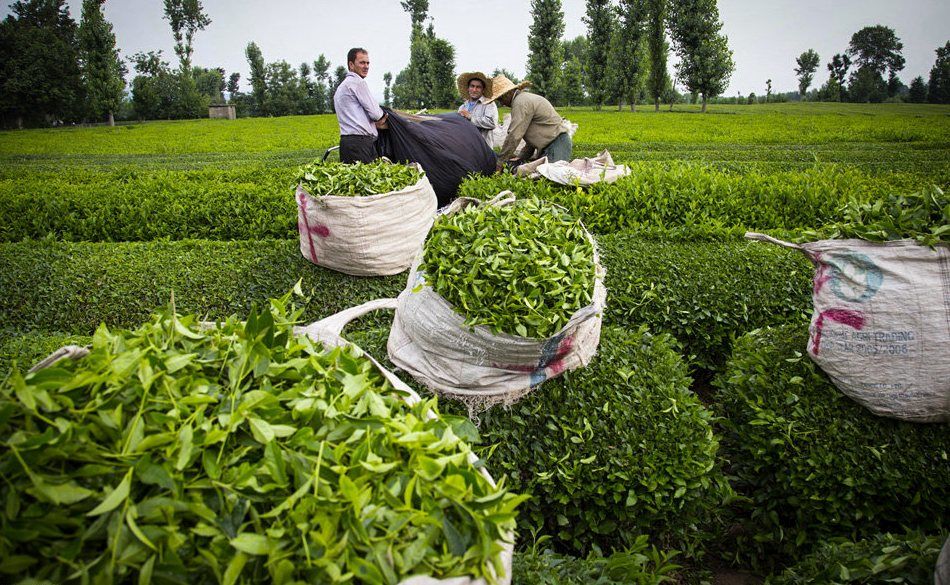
(361, 65)
(475, 89)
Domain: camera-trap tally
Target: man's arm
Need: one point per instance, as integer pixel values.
(520, 119)
(365, 99)
(489, 119)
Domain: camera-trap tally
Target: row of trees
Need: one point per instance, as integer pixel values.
(52, 69)
(623, 58)
(873, 51)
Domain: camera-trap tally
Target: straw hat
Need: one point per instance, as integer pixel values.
(500, 85)
(465, 78)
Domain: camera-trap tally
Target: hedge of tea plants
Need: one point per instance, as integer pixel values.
(812, 463)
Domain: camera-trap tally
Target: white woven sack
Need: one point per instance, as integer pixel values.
(580, 171)
(328, 331)
(372, 235)
(431, 342)
(881, 323)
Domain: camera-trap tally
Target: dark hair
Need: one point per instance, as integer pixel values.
(478, 79)
(352, 53)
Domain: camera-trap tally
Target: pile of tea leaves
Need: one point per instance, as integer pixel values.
(521, 269)
(236, 454)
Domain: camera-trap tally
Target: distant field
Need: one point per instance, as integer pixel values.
(880, 137)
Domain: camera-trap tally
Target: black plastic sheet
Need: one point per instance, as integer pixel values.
(447, 146)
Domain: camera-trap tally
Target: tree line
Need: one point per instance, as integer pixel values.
(857, 75)
(53, 70)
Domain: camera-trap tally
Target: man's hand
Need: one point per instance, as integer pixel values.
(465, 114)
(382, 123)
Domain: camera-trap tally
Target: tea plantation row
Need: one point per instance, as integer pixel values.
(255, 201)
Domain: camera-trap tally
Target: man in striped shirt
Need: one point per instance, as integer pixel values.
(357, 112)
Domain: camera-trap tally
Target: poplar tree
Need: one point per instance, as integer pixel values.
(600, 23)
(441, 73)
(659, 78)
(186, 17)
(103, 72)
(321, 90)
(807, 65)
(627, 55)
(258, 79)
(938, 90)
(705, 59)
(545, 53)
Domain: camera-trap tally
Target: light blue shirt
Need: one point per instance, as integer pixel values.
(356, 110)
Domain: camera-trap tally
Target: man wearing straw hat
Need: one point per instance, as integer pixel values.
(533, 119)
(477, 109)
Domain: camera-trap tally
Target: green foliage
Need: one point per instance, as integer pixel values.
(521, 269)
(103, 70)
(923, 216)
(807, 64)
(877, 48)
(545, 53)
(692, 197)
(39, 65)
(618, 449)
(704, 294)
(881, 559)
(250, 201)
(812, 463)
(600, 21)
(26, 349)
(333, 178)
(627, 58)
(658, 79)
(72, 288)
(242, 450)
(639, 564)
(938, 88)
(705, 59)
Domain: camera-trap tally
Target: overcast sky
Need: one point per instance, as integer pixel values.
(765, 35)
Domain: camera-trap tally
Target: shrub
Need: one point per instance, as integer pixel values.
(135, 204)
(639, 564)
(614, 451)
(881, 559)
(704, 294)
(72, 287)
(618, 449)
(813, 463)
(26, 349)
(690, 196)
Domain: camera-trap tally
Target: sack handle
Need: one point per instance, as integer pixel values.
(73, 352)
(771, 240)
(503, 199)
(332, 326)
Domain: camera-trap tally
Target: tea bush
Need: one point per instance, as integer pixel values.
(878, 560)
(26, 349)
(813, 463)
(72, 287)
(611, 452)
(704, 293)
(683, 195)
(640, 564)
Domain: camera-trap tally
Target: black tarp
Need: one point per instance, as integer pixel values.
(447, 146)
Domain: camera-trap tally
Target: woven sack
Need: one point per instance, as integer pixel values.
(370, 235)
(431, 342)
(881, 323)
(580, 171)
(328, 331)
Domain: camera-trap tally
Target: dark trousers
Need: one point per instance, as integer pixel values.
(355, 148)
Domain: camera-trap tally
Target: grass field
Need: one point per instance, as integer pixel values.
(103, 224)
